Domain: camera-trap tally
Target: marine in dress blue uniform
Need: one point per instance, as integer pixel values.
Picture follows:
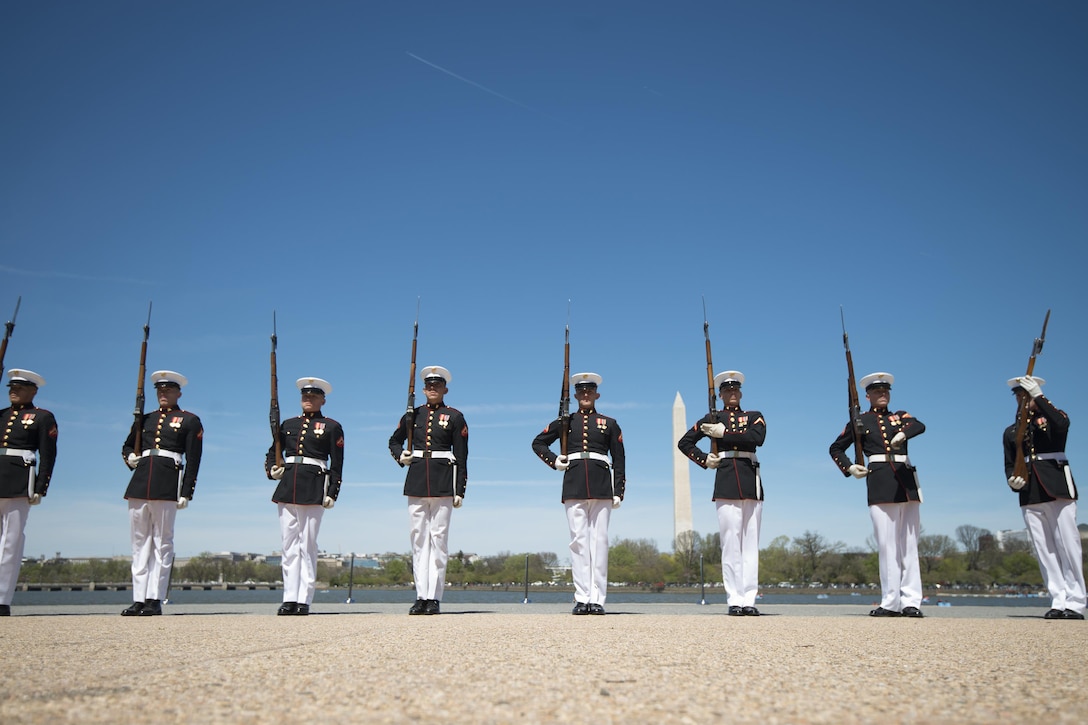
(163, 481)
(1048, 498)
(28, 450)
(893, 493)
(738, 487)
(594, 481)
(435, 484)
(308, 483)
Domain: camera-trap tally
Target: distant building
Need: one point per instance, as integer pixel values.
(1002, 539)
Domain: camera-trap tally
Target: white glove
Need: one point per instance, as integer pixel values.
(183, 503)
(561, 463)
(713, 460)
(858, 471)
(714, 430)
(1030, 386)
(898, 440)
(328, 502)
(457, 501)
(131, 461)
(275, 472)
(616, 501)
(34, 499)
(405, 458)
(1017, 482)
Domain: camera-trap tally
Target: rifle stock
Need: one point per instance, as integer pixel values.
(138, 413)
(1020, 468)
(852, 395)
(274, 405)
(711, 394)
(411, 410)
(9, 326)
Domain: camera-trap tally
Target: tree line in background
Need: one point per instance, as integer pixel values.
(969, 561)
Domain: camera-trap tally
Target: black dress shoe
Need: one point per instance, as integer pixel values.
(5, 610)
(132, 610)
(1054, 614)
(286, 609)
(302, 610)
(580, 608)
(431, 607)
(1070, 614)
(913, 612)
(595, 609)
(750, 612)
(417, 608)
(882, 612)
(152, 608)
(735, 611)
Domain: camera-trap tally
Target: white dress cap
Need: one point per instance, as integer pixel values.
(436, 371)
(25, 377)
(877, 379)
(729, 376)
(164, 377)
(1015, 382)
(585, 379)
(314, 384)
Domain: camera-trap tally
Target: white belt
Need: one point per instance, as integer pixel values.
(27, 456)
(1059, 456)
(895, 458)
(587, 454)
(448, 455)
(307, 461)
(739, 454)
(176, 457)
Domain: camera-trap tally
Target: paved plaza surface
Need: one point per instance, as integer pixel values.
(502, 663)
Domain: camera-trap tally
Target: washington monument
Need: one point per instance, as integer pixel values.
(681, 475)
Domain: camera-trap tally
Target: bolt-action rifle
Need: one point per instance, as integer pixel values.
(711, 394)
(138, 413)
(274, 405)
(1022, 413)
(852, 395)
(564, 391)
(8, 327)
(410, 413)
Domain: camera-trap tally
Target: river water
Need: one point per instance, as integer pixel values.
(617, 595)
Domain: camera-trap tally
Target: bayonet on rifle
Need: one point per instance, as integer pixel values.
(9, 326)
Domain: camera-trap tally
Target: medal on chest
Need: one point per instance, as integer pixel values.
(175, 422)
(602, 424)
(443, 420)
(319, 429)
(28, 420)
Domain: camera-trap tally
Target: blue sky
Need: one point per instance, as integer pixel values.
(922, 164)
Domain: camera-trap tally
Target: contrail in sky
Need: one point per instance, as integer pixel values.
(473, 83)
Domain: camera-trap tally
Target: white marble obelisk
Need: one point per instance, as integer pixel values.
(681, 475)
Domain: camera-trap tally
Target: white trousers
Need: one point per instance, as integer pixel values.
(895, 527)
(151, 528)
(738, 527)
(1054, 535)
(588, 523)
(298, 529)
(13, 515)
(429, 530)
